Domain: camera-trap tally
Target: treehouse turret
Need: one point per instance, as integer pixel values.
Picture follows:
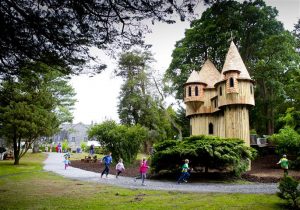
(203, 81)
(235, 81)
(193, 92)
(218, 103)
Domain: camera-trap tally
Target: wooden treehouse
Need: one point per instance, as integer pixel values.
(218, 103)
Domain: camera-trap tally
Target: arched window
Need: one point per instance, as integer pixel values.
(210, 128)
(196, 91)
(220, 91)
(190, 91)
(231, 82)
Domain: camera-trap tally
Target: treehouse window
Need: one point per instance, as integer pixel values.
(190, 91)
(231, 82)
(215, 102)
(196, 91)
(210, 128)
(220, 91)
(251, 89)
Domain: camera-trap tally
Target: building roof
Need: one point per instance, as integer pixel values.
(234, 61)
(194, 77)
(209, 74)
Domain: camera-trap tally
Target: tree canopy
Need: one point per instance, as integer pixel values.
(60, 32)
(33, 105)
(138, 103)
(123, 141)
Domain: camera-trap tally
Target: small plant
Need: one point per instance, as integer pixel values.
(288, 190)
(65, 145)
(83, 146)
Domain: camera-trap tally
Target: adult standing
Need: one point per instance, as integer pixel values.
(107, 161)
(92, 150)
(59, 148)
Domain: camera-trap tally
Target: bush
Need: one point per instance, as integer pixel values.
(99, 150)
(287, 141)
(65, 145)
(288, 190)
(83, 146)
(123, 141)
(203, 151)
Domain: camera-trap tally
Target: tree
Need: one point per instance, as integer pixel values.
(296, 33)
(123, 141)
(60, 32)
(289, 190)
(274, 70)
(261, 40)
(29, 104)
(138, 104)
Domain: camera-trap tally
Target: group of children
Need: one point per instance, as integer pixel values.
(121, 168)
(144, 167)
(107, 160)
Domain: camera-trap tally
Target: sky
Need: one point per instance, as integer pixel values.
(97, 96)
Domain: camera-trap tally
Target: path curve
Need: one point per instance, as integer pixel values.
(54, 163)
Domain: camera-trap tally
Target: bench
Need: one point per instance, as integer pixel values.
(9, 156)
(89, 159)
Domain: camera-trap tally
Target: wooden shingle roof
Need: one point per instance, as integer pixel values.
(234, 61)
(194, 77)
(209, 74)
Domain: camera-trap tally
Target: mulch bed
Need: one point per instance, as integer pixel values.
(131, 171)
(263, 169)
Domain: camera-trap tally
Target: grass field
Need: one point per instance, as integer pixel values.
(27, 186)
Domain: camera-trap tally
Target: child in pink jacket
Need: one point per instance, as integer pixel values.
(143, 171)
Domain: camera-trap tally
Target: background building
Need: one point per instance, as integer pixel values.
(74, 133)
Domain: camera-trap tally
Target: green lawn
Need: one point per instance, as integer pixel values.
(27, 187)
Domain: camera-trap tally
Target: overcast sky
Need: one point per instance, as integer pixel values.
(98, 96)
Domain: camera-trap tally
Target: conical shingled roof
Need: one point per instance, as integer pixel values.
(209, 74)
(234, 61)
(194, 77)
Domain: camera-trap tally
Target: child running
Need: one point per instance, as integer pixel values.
(143, 171)
(119, 167)
(184, 173)
(66, 162)
(107, 161)
(284, 163)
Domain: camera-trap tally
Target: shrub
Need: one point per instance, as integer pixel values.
(123, 141)
(288, 190)
(203, 151)
(99, 150)
(83, 146)
(65, 145)
(287, 141)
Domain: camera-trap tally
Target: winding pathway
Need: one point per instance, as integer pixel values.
(54, 163)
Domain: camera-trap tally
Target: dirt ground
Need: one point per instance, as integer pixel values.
(263, 169)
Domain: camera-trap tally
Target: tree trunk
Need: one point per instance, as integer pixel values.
(35, 148)
(167, 114)
(16, 160)
(16, 149)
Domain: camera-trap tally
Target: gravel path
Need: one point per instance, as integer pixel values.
(54, 163)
